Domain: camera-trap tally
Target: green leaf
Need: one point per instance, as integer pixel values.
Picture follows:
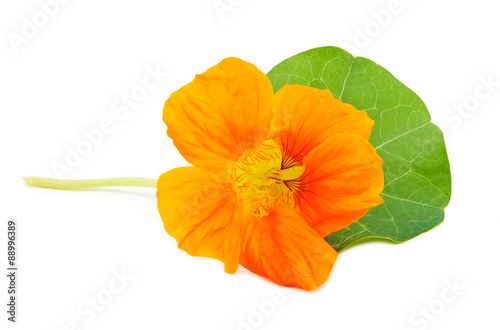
(416, 168)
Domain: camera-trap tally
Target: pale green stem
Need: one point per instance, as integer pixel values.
(36, 181)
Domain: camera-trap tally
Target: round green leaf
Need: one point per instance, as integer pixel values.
(416, 168)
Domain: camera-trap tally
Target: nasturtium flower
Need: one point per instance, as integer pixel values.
(273, 173)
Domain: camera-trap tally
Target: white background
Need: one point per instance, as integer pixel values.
(65, 79)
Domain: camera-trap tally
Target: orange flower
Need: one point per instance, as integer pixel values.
(272, 174)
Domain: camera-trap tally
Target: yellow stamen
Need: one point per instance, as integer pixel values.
(291, 173)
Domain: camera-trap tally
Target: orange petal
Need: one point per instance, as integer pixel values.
(308, 116)
(220, 114)
(199, 209)
(343, 178)
(285, 249)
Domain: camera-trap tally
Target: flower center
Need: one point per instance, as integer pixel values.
(261, 181)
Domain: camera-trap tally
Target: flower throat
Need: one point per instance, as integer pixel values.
(261, 180)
